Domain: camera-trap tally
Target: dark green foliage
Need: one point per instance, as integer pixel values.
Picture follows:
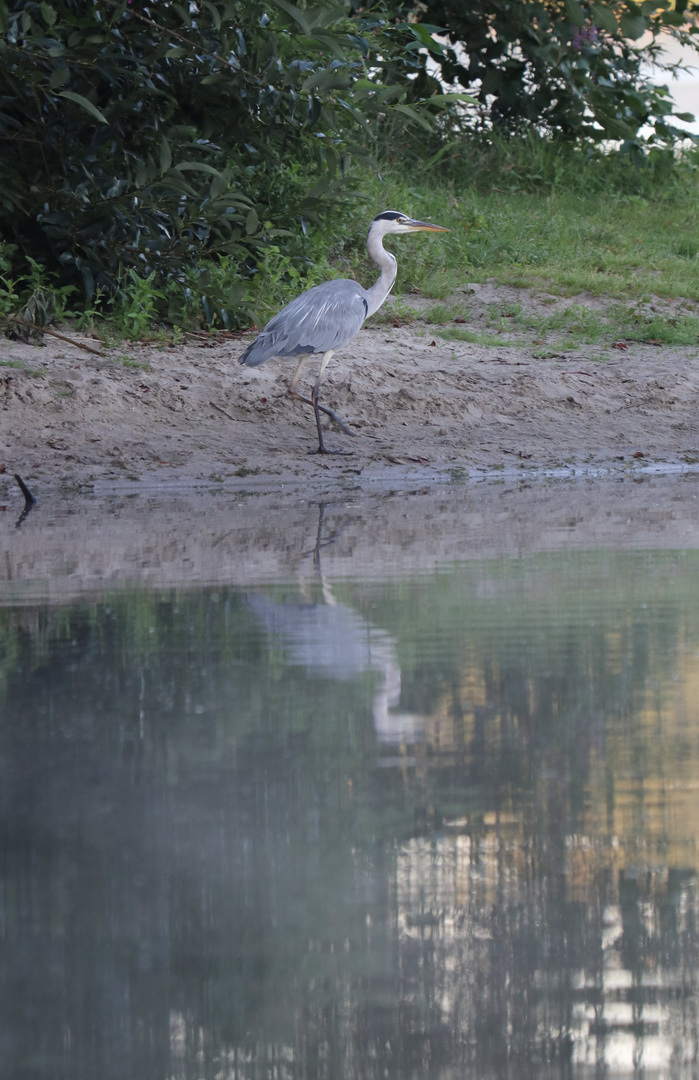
(149, 137)
(194, 161)
(569, 67)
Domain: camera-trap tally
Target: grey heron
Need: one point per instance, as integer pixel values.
(328, 316)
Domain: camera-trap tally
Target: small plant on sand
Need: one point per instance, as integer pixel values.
(137, 308)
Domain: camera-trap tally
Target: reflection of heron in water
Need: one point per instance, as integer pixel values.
(331, 640)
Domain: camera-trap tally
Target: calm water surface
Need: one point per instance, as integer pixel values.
(433, 827)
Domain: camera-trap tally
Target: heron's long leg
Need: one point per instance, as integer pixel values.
(297, 374)
(322, 448)
(313, 401)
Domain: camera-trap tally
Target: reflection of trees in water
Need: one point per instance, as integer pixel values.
(542, 913)
(516, 970)
(204, 870)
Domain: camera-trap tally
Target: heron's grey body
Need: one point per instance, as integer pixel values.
(322, 319)
(330, 315)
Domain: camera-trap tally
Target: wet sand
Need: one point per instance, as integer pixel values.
(171, 465)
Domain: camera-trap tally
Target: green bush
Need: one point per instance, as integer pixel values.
(137, 144)
(197, 162)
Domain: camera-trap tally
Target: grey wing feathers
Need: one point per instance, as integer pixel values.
(326, 317)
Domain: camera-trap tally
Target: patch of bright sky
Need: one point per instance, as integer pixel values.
(684, 88)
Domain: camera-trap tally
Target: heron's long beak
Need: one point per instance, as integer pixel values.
(426, 225)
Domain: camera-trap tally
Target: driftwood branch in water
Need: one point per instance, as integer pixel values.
(29, 501)
(28, 497)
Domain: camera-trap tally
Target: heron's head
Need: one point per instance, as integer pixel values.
(391, 221)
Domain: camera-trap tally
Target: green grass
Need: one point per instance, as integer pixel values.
(528, 213)
(567, 243)
(20, 365)
(646, 325)
(129, 362)
(480, 337)
(632, 322)
(438, 314)
(575, 325)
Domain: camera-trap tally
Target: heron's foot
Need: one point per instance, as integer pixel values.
(338, 420)
(322, 448)
(328, 412)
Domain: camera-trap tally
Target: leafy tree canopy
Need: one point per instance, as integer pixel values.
(576, 68)
(148, 136)
(138, 140)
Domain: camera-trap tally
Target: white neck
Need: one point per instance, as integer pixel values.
(386, 262)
